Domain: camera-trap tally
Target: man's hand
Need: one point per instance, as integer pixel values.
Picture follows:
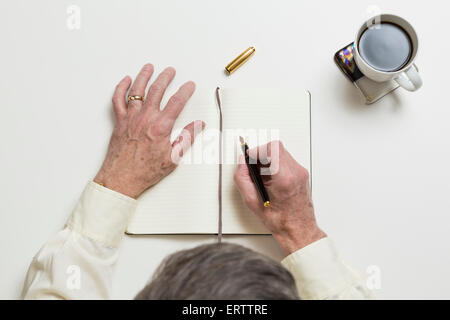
(140, 152)
(290, 217)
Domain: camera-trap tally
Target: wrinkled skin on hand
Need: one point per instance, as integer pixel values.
(290, 217)
(140, 153)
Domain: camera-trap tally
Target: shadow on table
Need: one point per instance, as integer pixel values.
(264, 244)
(355, 102)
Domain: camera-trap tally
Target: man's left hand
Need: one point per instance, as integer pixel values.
(140, 153)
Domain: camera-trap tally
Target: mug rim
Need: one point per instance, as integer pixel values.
(414, 52)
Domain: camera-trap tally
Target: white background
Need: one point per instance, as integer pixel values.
(381, 177)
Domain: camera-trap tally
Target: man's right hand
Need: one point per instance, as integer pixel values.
(290, 217)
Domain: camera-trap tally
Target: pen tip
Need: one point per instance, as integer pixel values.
(241, 140)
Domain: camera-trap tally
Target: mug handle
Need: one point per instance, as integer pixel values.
(409, 79)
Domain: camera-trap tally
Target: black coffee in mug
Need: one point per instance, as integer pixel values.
(385, 47)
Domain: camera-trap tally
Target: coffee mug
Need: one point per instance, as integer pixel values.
(385, 49)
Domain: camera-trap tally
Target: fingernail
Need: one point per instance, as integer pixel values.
(171, 69)
(148, 66)
(198, 122)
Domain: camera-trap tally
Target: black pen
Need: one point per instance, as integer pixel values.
(254, 173)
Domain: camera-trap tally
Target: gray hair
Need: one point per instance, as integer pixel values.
(219, 271)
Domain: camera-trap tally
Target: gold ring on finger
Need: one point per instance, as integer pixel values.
(131, 98)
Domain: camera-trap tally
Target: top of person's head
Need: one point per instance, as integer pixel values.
(220, 271)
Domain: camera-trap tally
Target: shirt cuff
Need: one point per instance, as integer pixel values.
(319, 272)
(102, 214)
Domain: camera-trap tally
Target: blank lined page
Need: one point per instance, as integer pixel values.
(186, 200)
(260, 115)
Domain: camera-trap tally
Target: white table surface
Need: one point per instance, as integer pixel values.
(381, 177)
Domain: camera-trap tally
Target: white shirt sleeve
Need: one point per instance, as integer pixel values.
(78, 263)
(320, 273)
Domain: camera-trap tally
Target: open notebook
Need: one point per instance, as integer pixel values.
(186, 202)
